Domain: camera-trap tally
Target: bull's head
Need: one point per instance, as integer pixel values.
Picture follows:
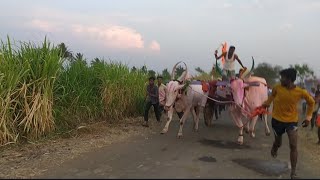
(238, 88)
(173, 88)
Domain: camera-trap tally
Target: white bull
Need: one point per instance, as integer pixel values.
(192, 99)
(169, 111)
(179, 105)
(248, 94)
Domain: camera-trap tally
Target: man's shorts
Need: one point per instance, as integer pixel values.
(281, 127)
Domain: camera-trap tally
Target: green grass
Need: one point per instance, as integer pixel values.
(41, 94)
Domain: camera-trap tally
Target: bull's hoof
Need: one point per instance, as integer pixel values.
(253, 135)
(268, 133)
(180, 135)
(163, 131)
(196, 130)
(240, 142)
(240, 139)
(246, 131)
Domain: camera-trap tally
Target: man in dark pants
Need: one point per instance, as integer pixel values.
(152, 99)
(285, 97)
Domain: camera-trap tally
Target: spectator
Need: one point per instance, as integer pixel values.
(152, 99)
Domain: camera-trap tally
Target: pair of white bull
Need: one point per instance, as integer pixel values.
(247, 98)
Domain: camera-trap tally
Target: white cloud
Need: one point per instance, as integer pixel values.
(117, 37)
(155, 46)
(104, 30)
(112, 36)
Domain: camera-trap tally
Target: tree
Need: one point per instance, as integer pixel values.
(64, 51)
(144, 69)
(79, 56)
(96, 60)
(202, 75)
(199, 70)
(151, 73)
(303, 72)
(179, 71)
(267, 71)
(133, 69)
(166, 75)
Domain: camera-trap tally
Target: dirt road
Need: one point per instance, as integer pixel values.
(209, 153)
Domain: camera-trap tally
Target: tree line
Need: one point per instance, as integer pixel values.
(264, 69)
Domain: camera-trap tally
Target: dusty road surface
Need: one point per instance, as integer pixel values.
(209, 153)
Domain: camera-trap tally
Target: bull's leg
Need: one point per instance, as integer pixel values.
(240, 137)
(200, 109)
(265, 120)
(252, 123)
(182, 121)
(169, 118)
(236, 116)
(246, 128)
(194, 115)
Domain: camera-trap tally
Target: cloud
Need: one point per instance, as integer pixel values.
(108, 35)
(43, 25)
(155, 46)
(116, 37)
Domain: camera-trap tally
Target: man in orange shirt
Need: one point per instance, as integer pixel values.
(285, 98)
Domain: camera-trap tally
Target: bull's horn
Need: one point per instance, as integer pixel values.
(174, 70)
(218, 68)
(185, 76)
(252, 67)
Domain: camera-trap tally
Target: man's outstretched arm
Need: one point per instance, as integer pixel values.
(239, 61)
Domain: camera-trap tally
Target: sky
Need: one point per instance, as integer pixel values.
(159, 33)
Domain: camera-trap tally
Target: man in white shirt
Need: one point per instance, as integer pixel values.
(228, 71)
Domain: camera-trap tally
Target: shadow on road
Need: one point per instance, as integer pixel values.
(223, 144)
(266, 167)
